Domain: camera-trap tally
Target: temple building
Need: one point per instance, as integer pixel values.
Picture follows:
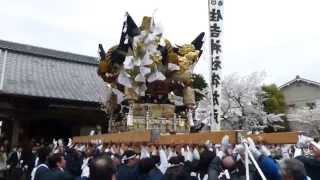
(300, 93)
(46, 93)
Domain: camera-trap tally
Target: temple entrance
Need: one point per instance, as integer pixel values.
(41, 119)
(48, 129)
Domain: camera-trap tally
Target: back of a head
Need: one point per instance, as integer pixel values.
(177, 172)
(145, 165)
(205, 159)
(54, 159)
(228, 162)
(174, 160)
(155, 159)
(293, 169)
(43, 154)
(101, 168)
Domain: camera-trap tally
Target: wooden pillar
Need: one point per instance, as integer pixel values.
(15, 132)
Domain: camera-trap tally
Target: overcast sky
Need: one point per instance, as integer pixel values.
(281, 37)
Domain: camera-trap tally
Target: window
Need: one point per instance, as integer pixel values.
(311, 105)
(291, 106)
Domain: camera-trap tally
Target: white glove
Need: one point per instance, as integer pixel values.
(144, 153)
(121, 151)
(252, 147)
(92, 132)
(239, 148)
(60, 142)
(85, 172)
(189, 156)
(220, 154)
(82, 148)
(225, 143)
(265, 150)
(154, 152)
(297, 152)
(163, 161)
(171, 154)
(112, 150)
(100, 147)
(55, 143)
(285, 151)
(69, 143)
(303, 141)
(184, 153)
(196, 154)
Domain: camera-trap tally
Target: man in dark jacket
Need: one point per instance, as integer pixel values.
(312, 163)
(312, 166)
(129, 171)
(176, 170)
(57, 165)
(15, 162)
(206, 157)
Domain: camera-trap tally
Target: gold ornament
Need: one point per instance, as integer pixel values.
(184, 63)
(146, 23)
(104, 67)
(173, 58)
(192, 56)
(185, 49)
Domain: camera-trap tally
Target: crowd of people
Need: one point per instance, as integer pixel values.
(97, 161)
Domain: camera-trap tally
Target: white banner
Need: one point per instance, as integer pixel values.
(215, 33)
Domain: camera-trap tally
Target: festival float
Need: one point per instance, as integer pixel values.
(150, 80)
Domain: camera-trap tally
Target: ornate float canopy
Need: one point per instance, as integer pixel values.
(145, 64)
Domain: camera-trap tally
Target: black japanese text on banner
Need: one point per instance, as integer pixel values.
(215, 33)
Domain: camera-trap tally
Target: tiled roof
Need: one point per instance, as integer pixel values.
(299, 79)
(48, 73)
(39, 51)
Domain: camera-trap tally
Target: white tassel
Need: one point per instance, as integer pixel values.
(140, 78)
(146, 60)
(144, 70)
(123, 79)
(128, 62)
(156, 76)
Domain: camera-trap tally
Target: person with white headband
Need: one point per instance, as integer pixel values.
(129, 170)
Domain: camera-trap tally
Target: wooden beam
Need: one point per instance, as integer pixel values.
(276, 138)
(125, 137)
(196, 138)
